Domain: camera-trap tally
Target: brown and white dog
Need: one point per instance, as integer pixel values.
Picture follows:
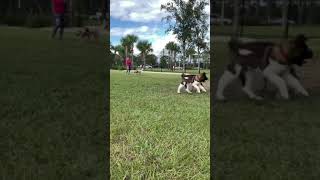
(276, 61)
(88, 33)
(137, 71)
(195, 81)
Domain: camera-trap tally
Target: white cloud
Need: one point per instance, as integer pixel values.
(139, 31)
(161, 42)
(158, 42)
(137, 10)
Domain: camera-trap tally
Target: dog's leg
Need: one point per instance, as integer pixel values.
(195, 85)
(271, 73)
(180, 87)
(293, 83)
(247, 88)
(227, 78)
(188, 88)
(202, 88)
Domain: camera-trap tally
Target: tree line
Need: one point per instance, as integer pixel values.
(19, 10)
(257, 12)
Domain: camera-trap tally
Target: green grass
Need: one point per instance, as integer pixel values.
(269, 31)
(52, 98)
(268, 140)
(193, 71)
(155, 132)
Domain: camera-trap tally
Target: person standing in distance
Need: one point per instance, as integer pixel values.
(128, 64)
(58, 9)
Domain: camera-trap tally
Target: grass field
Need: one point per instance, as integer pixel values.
(192, 71)
(52, 106)
(155, 132)
(266, 140)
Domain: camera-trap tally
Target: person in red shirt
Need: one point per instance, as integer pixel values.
(128, 64)
(59, 9)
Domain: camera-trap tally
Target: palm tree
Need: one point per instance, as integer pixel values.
(144, 47)
(128, 42)
(169, 46)
(173, 49)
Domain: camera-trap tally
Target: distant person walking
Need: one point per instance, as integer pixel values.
(59, 9)
(128, 64)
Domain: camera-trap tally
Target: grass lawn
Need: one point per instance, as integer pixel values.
(155, 132)
(52, 106)
(193, 71)
(266, 140)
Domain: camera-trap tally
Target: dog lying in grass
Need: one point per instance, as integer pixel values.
(193, 81)
(137, 71)
(88, 33)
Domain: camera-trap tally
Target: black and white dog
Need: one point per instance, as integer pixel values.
(277, 62)
(195, 81)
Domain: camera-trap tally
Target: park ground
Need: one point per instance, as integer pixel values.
(271, 139)
(155, 132)
(52, 106)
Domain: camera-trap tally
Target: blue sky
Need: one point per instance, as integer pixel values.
(142, 18)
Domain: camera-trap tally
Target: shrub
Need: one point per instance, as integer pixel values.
(252, 21)
(119, 68)
(37, 21)
(78, 21)
(14, 20)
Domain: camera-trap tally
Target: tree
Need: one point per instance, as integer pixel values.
(190, 53)
(236, 18)
(163, 62)
(222, 11)
(144, 47)
(118, 54)
(201, 27)
(301, 6)
(173, 48)
(151, 59)
(285, 24)
(128, 43)
(269, 8)
(181, 22)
